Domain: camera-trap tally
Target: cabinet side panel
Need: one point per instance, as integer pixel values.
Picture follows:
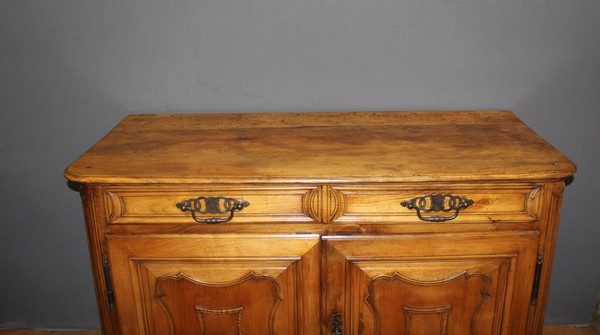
(550, 217)
(95, 222)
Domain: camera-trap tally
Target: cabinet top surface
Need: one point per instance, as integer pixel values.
(320, 147)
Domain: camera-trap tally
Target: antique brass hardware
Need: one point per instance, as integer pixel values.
(212, 205)
(437, 203)
(535, 292)
(110, 295)
(336, 323)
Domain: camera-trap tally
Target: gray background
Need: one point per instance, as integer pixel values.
(71, 69)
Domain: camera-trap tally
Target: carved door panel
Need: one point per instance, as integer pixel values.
(218, 284)
(431, 284)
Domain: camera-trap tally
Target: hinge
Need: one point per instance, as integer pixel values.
(536, 279)
(110, 294)
(336, 323)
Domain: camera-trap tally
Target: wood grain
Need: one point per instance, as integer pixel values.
(320, 147)
(326, 232)
(548, 330)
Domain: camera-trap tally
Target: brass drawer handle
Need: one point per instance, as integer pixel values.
(437, 203)
(212, 205)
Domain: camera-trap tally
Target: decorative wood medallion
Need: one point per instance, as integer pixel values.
(432, 320)
(228, 320)
(324, 204)
(114, 206)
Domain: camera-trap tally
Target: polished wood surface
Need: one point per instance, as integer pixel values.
(320, 147)
(325, 231)
(548, 330)
(431, 284)
(310, 203)
(258, 283)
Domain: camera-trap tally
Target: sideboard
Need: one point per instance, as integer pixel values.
(432, 222)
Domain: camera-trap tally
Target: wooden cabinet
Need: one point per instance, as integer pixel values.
(322, 223)
(431, 284)
(223, 284)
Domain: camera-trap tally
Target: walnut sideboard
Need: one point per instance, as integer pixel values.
(322, 223)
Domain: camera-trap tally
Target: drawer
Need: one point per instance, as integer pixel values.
(483, 204)
(340, 204)
(158, 205)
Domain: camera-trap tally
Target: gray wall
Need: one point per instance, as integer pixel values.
(70, 70)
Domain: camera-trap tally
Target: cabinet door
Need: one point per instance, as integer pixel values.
(216, 284)
(449, 284)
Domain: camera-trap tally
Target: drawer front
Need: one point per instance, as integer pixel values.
(159, 205)
(481, 204)
(338, 204)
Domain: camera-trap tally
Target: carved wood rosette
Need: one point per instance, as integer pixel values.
(324, 204)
